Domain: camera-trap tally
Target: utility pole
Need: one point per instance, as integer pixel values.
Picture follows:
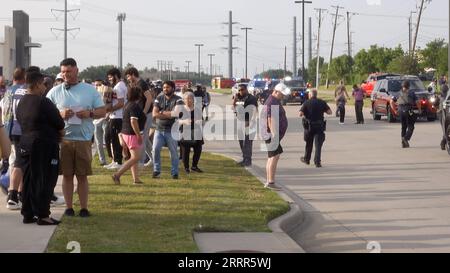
(310, 41)
(285, 60)
(410, 31)
(188, 65)
(246, 50)
(65, 29)
(230, 47)
(318, 47)
(211, 63)
(294, 59)
(121, 18)
(332, 42)
(349, 14)
(199, 58)
(418, 25)
(303, 2)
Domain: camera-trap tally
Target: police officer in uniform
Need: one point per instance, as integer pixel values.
(246, 107)
(408, 118)
(314, 127)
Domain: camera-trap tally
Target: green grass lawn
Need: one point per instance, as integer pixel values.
(222, 91)
(161, 215)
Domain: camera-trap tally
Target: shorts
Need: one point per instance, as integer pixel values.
(273, 152)
(132, 142)
(76, 158)
(14, 157)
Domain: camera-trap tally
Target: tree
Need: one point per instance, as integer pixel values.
(275, 74)
(341, 68)
(52, 71)
(405, 64)
(435, 55)
(95, 72)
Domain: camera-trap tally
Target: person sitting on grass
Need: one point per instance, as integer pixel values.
(132, 134)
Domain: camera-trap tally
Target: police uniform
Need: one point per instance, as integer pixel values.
(245, 114)
(314, 128)
(408, 118)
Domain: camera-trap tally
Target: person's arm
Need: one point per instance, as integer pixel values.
(149, 99)
(54, 116)
(158, 114)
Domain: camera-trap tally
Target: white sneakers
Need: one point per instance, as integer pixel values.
(113, 166)
(57, 201)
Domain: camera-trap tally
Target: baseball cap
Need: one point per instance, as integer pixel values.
(59, 77)
(283, 89)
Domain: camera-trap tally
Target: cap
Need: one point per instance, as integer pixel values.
(283, 89)
(59, 77)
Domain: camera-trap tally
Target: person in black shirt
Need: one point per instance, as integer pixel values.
(42, 130)
(314, 127)
(191, 130)
(146, 104)
(246, 108)
(163, 113)
(133, 124)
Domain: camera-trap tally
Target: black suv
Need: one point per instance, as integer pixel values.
(387, 91)
(297, 89)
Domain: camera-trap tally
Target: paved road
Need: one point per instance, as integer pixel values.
(369, 189)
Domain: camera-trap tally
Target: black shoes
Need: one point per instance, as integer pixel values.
(187, 171)
(405, 143)
(52, 222)
(303, 160)
(31, 220)
(175, 177)
(69, 212)
(318, 165)
(84, 213)
(443, 145)
(156, 175)
(244, 164)
(196, 169)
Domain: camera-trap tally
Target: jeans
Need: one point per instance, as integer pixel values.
(246, 149)
(359, 111)
(164, 138)
(113, 129)
(100, 140)
(147, 141)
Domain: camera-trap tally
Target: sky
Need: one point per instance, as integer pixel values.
(168, 30)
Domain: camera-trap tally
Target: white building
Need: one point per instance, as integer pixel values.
(8, 53)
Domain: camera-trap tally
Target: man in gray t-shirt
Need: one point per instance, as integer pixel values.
(163, 113)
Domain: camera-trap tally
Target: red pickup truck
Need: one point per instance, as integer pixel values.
(371, 81)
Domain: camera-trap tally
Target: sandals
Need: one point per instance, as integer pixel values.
(115, 179)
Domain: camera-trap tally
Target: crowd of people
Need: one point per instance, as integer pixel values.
(49, 127)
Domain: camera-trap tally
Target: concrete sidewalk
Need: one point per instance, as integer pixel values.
(15, 237)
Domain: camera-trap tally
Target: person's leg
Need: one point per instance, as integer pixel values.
(108, 138)
(248, 147)
(268, 164)
(404, 121)
(99, 136)
(46, 168)
(241, 145)
(411, 126)
(197, 154)
(273, 168)
(67, 187)
(27, 209)
(117, 148)
(185, 153)
(158, 143)
(361, 112)
(308, 146)
(342, 113)
(83, 190)
(147, 142)
(319, 139)
(172, 145)
(134, 159)
(136, 154)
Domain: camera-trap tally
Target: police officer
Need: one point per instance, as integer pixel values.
(408, 118)
(246, 107)
(314, 127)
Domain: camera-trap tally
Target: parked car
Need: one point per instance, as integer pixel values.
(388, 90)
(298, 90)
(256, 86)
(372, 80)
(445, 121)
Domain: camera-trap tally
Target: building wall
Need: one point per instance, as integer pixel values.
(8, 53)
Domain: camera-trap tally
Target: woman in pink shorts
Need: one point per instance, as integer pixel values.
(131, 136)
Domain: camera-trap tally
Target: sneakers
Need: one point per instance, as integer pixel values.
(341, 123)
(196, 169)
(57, 201)
(175, 177)
(272, 186)
(69, 212)
(114, 166)
(149, 163)
(84, 213)
(13, 202)
(318, 165)
(156, 175)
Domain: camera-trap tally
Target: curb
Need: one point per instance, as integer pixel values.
(287, 224)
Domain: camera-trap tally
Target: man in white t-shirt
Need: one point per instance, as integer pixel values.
(115, 115)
